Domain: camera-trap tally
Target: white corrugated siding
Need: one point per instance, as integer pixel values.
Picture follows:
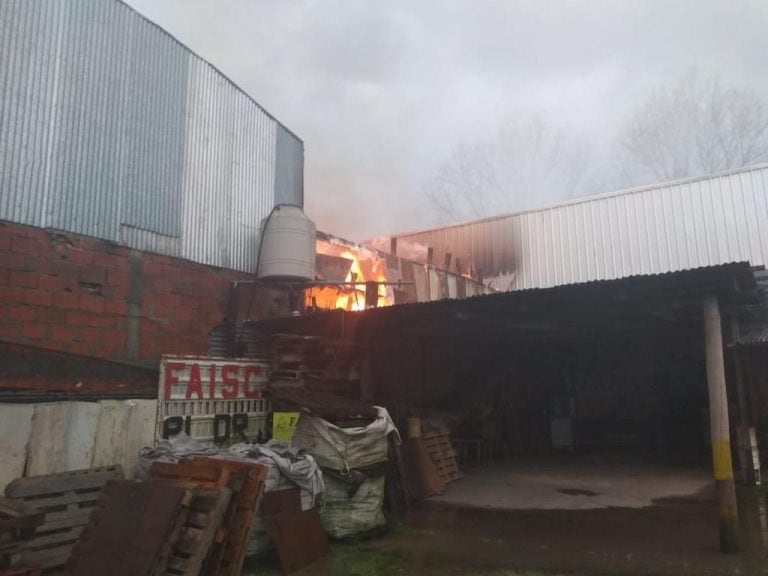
(674, 226)
(111, 128)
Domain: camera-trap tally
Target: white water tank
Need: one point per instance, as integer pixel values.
(288, 246)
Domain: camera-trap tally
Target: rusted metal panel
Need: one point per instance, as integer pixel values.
(129, 531)
(111, 128)
(652, 230)
(299, 538)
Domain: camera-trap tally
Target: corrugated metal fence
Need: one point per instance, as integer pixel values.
(673, 226)
(111, 128)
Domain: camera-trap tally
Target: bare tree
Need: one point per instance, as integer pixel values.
(692, 128)
(524, 164)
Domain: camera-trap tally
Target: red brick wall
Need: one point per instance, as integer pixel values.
(73, 294)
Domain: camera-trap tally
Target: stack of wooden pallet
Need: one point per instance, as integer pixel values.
(65, 501)
(314, 362)
(18, 521)
(187, 519)
(443, 455)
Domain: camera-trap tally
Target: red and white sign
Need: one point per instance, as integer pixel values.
(212, 399)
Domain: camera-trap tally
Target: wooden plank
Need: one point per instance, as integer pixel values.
(211, 476)
(67, 498)
(16, 431)
(299, 538)
(20, 571)
(70, 536)
(65, 519)
(36, 486)
(63, 437)
(50, 557)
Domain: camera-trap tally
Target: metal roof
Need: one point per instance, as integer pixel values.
(675, 295)
(111, 128)
(672, 226)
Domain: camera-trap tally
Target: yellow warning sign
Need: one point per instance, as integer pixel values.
(284, 425)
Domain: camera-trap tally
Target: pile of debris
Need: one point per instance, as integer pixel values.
(194, 516)
(196, 508)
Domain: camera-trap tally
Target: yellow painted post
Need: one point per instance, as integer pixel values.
(719, 426)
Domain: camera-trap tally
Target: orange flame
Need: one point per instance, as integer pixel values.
(351, 297)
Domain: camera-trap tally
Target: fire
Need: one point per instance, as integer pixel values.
(355, 299)
(365, 266)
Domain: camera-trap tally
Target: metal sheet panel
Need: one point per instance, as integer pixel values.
(15, 431)
(289, 177)
(111, 128)
(673, 226)
(124, 427)
(63, 437)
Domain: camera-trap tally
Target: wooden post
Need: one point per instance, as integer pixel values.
(719, 426)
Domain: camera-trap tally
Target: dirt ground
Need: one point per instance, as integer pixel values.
(675, 536)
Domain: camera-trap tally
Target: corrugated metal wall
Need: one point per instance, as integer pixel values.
(675, 226)
(111, 128)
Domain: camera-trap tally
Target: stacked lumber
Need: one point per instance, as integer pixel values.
(443, 455)
(66, 502)
(314, 362)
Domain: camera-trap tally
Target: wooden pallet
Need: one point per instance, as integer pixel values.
(227, 557)
(200, 530)
(443, 455)
(67, 501)
(18, 521)
(132, 530)
(214, 483)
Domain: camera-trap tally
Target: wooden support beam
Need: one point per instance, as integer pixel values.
(719, 426)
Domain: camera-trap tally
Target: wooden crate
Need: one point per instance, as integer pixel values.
(443, 455)
(67, 501)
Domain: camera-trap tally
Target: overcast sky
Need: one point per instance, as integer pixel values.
(381, 91)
